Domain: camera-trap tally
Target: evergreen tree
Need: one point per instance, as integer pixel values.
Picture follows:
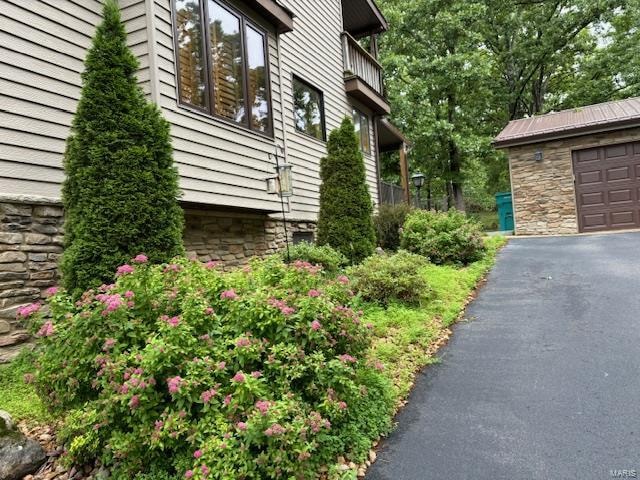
(120, 194)
(345, 222)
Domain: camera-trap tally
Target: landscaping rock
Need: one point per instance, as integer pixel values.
(19, 455)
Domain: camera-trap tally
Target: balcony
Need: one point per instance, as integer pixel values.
(363, 76)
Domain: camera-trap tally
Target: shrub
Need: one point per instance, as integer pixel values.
(345, 220)
(449, 237)
(330, 259)
(120, 194)
(258, 373)
(388, 222)
(383, 278)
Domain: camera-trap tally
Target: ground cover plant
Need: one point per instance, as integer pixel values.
(329, 258)
(443, 237)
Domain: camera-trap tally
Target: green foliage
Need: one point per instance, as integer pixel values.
(388, 222)
(330, 259)
(383, 278)
(449, 237)
(259, 373)
(345, 220)
(18, 395)
(120, 194)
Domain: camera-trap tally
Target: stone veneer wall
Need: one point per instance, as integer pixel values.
(234, 238)
(31, 241)
(543, 192)
(30, 247)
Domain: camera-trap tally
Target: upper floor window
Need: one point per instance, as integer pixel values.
(361, 124)
(222, 63)
(308, 109)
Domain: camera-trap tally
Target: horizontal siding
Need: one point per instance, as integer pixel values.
(313, 51)
(219, 162)
(42, 49)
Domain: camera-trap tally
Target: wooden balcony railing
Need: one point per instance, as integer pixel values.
(360, 63)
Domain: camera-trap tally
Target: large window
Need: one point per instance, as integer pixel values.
(222, 63)
(308, 109)
(361, 123)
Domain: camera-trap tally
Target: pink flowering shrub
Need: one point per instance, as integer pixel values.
(185, 371)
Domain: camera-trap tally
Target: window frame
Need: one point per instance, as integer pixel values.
(209, 109)
(361, 114)
(297, 78)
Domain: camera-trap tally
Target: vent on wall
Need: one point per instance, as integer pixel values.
(302, 237)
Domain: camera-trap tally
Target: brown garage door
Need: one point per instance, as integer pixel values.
(608, 187)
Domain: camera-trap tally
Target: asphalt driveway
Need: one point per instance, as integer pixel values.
(542, 381)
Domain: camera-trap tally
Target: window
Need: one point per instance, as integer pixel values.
(228, 77)
(361, 123)
(308, 109)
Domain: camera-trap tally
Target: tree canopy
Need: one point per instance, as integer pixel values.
(458, 70)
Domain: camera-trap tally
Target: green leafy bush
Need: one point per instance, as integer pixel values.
(120, 194)
(330, 259)
(345, 221)
(388, 222)
(383, 278)
(183, 369)
(449, 237)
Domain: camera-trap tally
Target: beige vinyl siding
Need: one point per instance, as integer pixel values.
(43, 44)
(313, 52)
(219, 163)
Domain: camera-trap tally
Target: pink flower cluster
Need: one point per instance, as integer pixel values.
(274, 430)
(241, 426)
(316, 422)
(208, 395)
(256, 374)
(141, 258)
(313, 293)
(46, 330)
(238, 378)
(316, 325)
(27, 311)
(346, 358)
(263, 406)
(211, 265)
(51, 291)
(108, 344)
(229, 295)
(343, 279)
(174, 384)
(309, 267)
(111, 302)
(198, 453)
(173, 321)
(134, 402)
(243, 342)
(172, 268)
(125, 269)
(282, 306)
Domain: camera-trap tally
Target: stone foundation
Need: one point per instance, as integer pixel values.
(30, 247)
(544, 198)
(31, 240)
(234, 238)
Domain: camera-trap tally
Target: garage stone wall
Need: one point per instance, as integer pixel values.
(544, 198)
(31, 243)
(30, 247)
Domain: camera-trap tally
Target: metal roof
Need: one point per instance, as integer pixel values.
(569, 123)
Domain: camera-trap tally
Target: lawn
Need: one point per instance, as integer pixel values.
(406, 337)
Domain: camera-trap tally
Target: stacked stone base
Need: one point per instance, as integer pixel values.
(31, 241)
(30, 247)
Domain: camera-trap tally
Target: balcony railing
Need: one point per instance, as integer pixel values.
(391, 194)
(360, 63)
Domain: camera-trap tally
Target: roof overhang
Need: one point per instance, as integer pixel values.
(277, 14)
(567, 133)
(362, 18)
(389, 137)
(362, 92)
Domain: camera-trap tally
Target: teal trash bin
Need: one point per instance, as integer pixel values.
(505, 211)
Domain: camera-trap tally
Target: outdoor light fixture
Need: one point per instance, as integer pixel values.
(538, 156)
(418, 181)
(282, 184)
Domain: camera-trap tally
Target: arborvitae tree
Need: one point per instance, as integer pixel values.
(121, 191)
(345, 221)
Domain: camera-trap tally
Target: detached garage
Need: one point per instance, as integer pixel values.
(576, 170)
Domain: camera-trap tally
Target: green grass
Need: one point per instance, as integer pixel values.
(404, 335)
(19, 398)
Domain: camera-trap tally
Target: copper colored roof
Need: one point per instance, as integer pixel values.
(569, 123)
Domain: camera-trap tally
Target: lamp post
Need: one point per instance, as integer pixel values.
(418, 182)
(283, 187)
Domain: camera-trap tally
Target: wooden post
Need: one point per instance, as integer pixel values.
(404, 173)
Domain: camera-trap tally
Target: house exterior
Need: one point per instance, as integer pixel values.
(576, 171)
(238, 80)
